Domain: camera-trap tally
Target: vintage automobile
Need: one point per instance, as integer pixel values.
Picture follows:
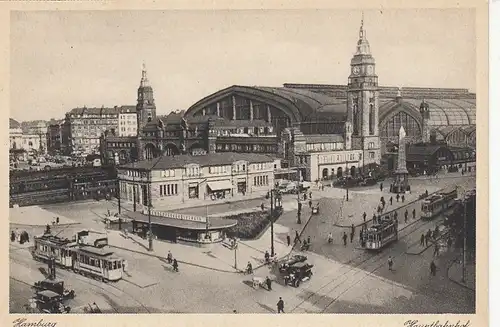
(284, 266)
(50, 302)
(297, 273)
(55, 285)
(315, 209)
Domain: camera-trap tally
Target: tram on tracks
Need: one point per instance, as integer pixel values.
(91, 260)
(438, 203)
(381, 234)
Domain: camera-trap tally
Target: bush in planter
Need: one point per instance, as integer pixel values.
(251, 224)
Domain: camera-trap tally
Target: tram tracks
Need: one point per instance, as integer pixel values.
(105, 288)
(357, 268)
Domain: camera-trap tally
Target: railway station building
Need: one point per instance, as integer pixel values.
(321, 130)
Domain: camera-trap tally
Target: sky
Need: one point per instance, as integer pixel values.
(65, 59)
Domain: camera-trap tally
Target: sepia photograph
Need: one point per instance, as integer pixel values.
(243, 161)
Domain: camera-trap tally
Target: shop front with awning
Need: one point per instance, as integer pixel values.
(219, 189)
(180, 228)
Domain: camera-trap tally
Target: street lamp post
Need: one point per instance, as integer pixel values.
(464, 249)
(272, 222)
(150, 236)
(347, 180)
(299, 207)
(464, 270)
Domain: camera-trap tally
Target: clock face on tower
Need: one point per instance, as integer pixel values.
(355, 70)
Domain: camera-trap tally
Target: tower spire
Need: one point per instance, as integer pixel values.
(144, 78)
(361, 28)
(363, 47)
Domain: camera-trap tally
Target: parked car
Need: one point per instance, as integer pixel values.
(291, 261)
(55, 285)
(297, 273)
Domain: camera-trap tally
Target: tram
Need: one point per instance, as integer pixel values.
(438, 203)
(381, 234)
(92, 260)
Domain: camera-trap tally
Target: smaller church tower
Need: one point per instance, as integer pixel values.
(146, 108)
(424, 112)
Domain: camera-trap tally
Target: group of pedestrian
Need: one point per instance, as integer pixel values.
(21, 237)
(171, 260)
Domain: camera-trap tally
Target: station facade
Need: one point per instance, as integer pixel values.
(322, 130)
(189, 179)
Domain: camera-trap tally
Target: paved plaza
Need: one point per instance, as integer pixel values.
(346, 278)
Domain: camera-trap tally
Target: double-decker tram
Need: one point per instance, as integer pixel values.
(93, 260)
(380, 234)
(438, 203)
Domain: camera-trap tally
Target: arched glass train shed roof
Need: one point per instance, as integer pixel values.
(447, 107)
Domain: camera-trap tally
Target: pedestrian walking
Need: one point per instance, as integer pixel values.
(436, 250)
(364, 217)
(381, 187)
(169, 257)
(268, 282)
(12, 236)
(403, 198)
(352, 236)
(281, 306)
(390, 200)
(310, 195)
(125, 265)
(353, 229)
(374, 219)
(57, 220)
(288, 240)
(390, 263)
(426, 239)
(406, 216)
(433, 268)
(414, 213)
(175, 265)
(330, 238)
(310, 203)
(422, 240)
(344, 238)
(262, 206)
(397, 197)
(309, 240)
(361, 237)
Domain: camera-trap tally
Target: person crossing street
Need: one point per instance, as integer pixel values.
(281, 306)
(406, 216)
(344, 238)
(390, 263)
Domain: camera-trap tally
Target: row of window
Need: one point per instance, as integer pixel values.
(339, 158)
(217, 170)
(246, 148)
(129, 129)
(168, 189)
(325, 146)
(192, 171)
(121, 144)
(261, 180)
(168, 173)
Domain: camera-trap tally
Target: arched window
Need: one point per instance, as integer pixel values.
(392, 126)
(355, 116)
(371, 120)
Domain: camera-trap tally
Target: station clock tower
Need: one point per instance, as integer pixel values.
(363, 101)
